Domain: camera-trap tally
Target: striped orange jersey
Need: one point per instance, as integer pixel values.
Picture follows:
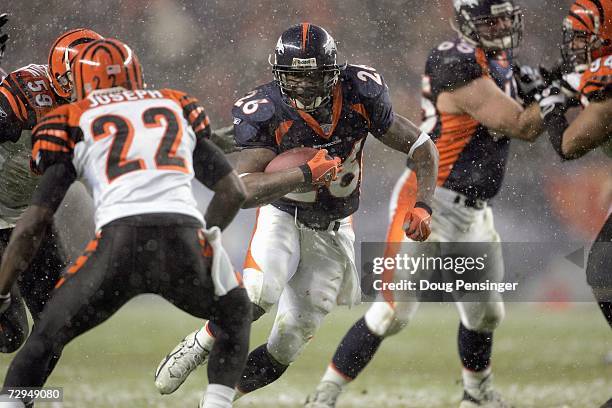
(25, 97)
(596, 81)
(133, 149)
(472, 160)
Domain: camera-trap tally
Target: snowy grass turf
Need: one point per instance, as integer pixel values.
(542, 358)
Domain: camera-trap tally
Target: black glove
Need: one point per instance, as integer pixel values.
(553, 104)
(3, 37)
(530, 83)
(561, 74)
(5, 303)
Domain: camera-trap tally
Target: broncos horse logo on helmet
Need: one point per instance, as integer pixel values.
(106, 64)
(305, 66)
(62, 53)
(587, 32)
(492, 25)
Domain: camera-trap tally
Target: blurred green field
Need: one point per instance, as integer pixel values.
(543, 357)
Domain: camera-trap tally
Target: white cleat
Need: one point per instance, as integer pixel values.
(176, 366)
(483, 397)
(8, 402)
(325, 396)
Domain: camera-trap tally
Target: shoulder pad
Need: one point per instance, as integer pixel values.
(596, 81)
(257, 106)
(366, 81)
(32, 72)
(453, 64)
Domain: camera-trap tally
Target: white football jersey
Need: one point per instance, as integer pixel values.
(132, 149)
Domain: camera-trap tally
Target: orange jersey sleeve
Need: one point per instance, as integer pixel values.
(192, 111)
(55, 136)
(596, 81)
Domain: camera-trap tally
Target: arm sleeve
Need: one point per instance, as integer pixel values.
(54, 185)
(193, 112)
(380, 111)
(596, 82)
(373, 94)
(209, 163)
(53, 141)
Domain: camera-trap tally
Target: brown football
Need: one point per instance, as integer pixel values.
(291, 158)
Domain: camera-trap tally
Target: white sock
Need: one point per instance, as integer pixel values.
(205, 338)
(332, 375)
(472, 379)
(218, 396)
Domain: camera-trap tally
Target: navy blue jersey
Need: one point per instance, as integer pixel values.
(472, 160)
(360, 105)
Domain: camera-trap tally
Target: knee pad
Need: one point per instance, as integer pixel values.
(483, 317)
(384, 320)
(292, 331)
(263, 291)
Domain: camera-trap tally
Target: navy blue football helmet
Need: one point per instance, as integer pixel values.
(489, 24)
(305, 66)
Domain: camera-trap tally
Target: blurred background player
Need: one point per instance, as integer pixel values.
(138, 151)
(470, 107)
(587, 46)
(26, 95)
(301, 254)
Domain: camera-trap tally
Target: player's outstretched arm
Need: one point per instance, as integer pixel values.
(404, 136)
(214, 171)
(263, 188)
(485, 102)
(31, 227)
(591, 128)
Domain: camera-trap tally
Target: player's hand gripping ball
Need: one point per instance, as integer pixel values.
(417, 223)
(321, 169)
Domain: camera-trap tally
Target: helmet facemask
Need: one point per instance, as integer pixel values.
(577, 48)
(501, 29)
(306, 89)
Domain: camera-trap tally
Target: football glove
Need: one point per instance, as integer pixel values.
(566, 79)
(529, 82)
(417, 222)
(321, 170)
(552, 100)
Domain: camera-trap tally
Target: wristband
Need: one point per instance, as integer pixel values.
(307, 173)
(420, 204)
(556, 124)
(423, 138)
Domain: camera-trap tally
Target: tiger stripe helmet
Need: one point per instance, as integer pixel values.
(587, 32)
(63, 51)
(105, 64)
